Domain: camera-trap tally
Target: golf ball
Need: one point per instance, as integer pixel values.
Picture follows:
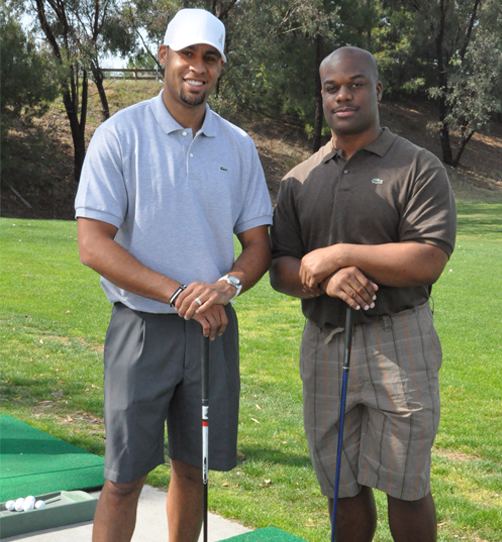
(28, 505)
(10, 505)
(19, 504)
(29, 498)
(40, 505)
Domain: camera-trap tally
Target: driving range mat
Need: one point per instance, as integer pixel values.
(269, 534)
(33, 462)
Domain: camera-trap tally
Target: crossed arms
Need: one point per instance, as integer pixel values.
(353, 272)
(100, 251)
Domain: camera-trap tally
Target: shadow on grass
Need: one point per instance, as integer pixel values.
(479, 218)
(44, 392)
(270, 455)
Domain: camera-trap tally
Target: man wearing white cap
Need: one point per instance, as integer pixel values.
(165, 185)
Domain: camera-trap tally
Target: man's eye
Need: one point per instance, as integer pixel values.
(331, 90)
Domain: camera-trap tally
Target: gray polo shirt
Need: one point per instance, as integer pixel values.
(389, 191)
(176, 199)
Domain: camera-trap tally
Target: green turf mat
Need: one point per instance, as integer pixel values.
(33, 462)
(269, 534)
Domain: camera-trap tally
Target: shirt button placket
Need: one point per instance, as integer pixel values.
(187, 146)
(190, 154)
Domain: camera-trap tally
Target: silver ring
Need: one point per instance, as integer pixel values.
(198, 300)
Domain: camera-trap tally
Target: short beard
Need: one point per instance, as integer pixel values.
(192, 100)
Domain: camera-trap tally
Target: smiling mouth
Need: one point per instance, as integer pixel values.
(194, 82)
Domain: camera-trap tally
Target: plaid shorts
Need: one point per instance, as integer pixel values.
(392, 411)
(153, 374)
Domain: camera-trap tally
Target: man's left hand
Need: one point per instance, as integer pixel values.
(317, 266)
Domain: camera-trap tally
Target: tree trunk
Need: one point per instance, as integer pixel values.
(77, 125)
(98, 77)
(461, 148)
(70, 86)
(369, 27)
(444, 132)
(318, 112)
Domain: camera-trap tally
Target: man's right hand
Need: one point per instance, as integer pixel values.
(205, 303)
(213, 321)
(352, 287)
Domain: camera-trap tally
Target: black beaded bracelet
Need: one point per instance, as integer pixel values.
(177, 292)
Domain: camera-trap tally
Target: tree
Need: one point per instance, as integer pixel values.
(79, 32)
(467, 75)
(274, 54)
(26, 73)
(146, 21)
(316, 22)
(55, 21)
(451, 50)
(93, 21)
(26, 88)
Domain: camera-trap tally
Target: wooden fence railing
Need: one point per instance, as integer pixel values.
(130, 73)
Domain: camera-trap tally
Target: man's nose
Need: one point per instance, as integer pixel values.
(344, 93)
(197, 64)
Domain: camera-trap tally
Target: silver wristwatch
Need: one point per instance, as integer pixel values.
(233, 281)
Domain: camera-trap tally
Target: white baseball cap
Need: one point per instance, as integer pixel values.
(193, 26)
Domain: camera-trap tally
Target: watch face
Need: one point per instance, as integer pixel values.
(234, 281)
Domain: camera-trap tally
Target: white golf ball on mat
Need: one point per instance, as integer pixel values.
(19, 504)
(28, 505)
(40, 505)
(10, 505)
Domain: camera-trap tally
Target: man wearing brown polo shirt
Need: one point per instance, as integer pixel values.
(368, 221)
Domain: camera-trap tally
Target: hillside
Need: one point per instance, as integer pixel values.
(38, 182)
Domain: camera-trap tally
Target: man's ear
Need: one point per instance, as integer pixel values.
(163, 55)
(379, 89)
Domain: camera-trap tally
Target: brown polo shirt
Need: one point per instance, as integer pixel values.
(389, 191)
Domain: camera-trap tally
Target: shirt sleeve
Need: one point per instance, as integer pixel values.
(286, 232)
(430, 214)
(102, 193)
(257, 207)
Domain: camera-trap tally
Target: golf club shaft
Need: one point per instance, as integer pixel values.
(341, 416)
(205, 428)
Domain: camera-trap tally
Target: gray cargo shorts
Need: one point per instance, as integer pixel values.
(153, 374)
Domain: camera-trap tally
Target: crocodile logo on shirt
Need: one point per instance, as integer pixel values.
(223, 168)
(376, 180)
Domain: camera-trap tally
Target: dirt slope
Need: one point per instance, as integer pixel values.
(38, 182)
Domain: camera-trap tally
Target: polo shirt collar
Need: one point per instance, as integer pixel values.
(379, 147)
(382, 143)
(328, 152)
(169, 125)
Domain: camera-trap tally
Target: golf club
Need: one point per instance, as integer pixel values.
(205, 426)
(341, 418)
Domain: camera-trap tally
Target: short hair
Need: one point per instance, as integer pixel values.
(355, 51)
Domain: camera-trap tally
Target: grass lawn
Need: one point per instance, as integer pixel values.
(53, 319)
